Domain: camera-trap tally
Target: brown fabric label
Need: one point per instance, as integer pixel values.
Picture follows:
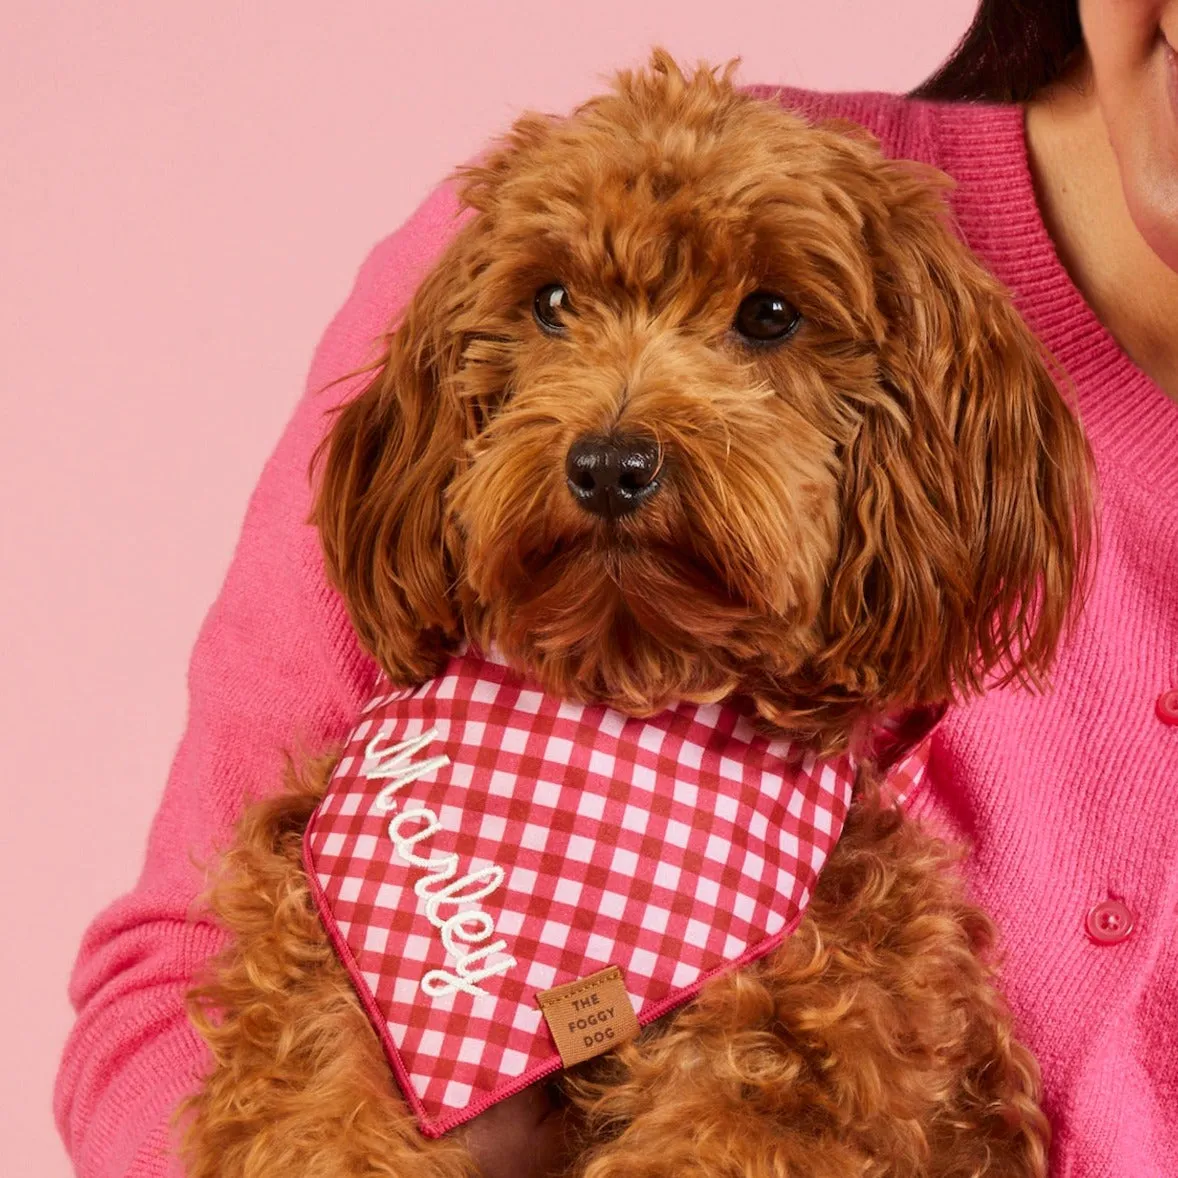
(589, 1017)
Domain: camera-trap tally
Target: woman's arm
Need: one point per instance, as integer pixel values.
(276, 666)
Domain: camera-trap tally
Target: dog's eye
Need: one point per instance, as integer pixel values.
(765, 317)
(550, 300)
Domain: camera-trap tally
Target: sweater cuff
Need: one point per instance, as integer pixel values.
(138, 1138)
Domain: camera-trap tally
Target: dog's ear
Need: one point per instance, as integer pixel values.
(969, 513)
(390, 456)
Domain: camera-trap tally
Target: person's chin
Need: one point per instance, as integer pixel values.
(1153, 205)
(1149, 168)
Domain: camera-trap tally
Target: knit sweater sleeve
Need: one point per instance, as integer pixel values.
(276, 666)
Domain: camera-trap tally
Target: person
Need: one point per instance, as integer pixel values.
(1059, 122)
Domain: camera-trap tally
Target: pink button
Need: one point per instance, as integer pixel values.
(1168, 707)
(1109, 922)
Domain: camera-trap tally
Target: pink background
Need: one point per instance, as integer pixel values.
(186, 193)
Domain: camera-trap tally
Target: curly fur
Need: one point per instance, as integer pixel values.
(891, 510)
(913, 391)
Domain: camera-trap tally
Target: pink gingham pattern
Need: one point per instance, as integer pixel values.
(674, 847)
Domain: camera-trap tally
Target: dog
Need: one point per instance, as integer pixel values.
(703, 402)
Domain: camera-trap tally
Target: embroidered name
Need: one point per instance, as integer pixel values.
(441, 888)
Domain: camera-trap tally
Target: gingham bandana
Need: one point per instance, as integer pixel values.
(481, 843)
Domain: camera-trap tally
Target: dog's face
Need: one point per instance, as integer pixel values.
(703, 399)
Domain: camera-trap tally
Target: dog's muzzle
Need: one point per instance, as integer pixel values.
(612, 476)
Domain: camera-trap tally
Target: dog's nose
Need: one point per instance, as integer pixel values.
(612, 476)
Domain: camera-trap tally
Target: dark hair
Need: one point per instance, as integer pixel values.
(1013, 49)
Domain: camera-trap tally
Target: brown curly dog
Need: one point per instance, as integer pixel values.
(700, 401)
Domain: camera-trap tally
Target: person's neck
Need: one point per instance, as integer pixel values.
(1134, 293)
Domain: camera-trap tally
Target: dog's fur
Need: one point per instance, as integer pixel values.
(892, 508)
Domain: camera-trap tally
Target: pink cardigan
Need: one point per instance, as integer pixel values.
(1070, 801)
